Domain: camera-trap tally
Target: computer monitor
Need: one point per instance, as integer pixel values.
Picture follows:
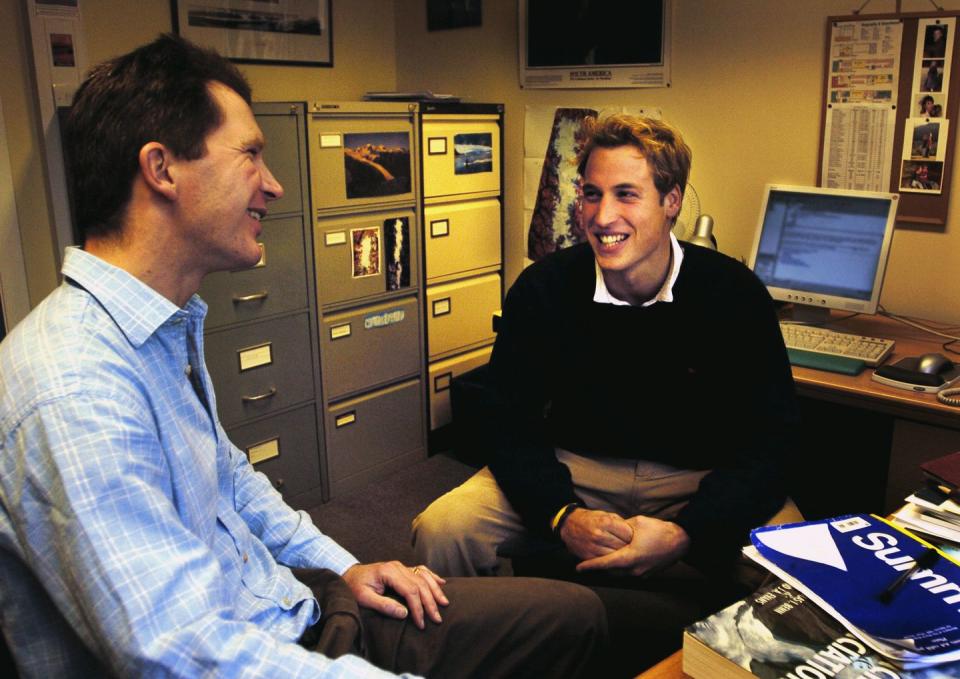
(823, 249)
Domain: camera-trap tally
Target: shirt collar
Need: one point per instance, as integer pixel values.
(602, 295)
(136, 308)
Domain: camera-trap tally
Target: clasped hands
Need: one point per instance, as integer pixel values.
(419, 587)
(606, 541)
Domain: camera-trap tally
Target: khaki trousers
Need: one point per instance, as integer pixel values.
(463, 532)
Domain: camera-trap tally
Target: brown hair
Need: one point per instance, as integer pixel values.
(158, 92)
(660, 143)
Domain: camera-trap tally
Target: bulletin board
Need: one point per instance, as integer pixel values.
(891, 89)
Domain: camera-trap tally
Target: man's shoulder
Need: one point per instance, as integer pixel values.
(716, 274)
(561, 271)
(62, 347)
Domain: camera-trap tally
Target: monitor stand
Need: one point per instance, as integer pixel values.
(809, 315)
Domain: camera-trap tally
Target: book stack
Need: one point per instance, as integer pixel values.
(933, 510)
(855, 596)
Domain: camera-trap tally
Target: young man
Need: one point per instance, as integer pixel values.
(644, 397)
(135, 539)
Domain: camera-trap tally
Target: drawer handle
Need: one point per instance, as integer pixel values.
(255, 297)
(260, 397)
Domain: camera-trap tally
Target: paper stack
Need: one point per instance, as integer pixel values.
(934, 510)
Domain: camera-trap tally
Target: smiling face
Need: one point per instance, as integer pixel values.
(627, 222)
(223, 195)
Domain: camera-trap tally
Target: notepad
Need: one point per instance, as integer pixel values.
(836, 364)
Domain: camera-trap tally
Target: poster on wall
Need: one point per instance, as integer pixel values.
(376, 164)
(551, 183)
(578, 44)
(252, 31)
(863, 79)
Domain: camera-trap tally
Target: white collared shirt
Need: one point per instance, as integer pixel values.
(602, 295)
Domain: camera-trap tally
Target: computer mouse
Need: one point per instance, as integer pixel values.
(933, 364)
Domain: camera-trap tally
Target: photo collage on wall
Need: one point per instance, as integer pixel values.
(925, 135)
(377, 164)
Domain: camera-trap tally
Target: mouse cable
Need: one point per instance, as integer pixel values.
(919, 326)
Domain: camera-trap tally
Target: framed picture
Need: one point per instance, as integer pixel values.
(582, 44)
(444, 14)
(257, 31)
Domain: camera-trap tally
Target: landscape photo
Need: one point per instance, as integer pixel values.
(473, 153)
(377, 164)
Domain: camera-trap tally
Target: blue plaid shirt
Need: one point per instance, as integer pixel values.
(135, 539)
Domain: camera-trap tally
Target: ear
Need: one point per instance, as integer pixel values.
(155, 160)
(672, 201)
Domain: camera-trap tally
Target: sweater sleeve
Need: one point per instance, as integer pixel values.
(523, 459)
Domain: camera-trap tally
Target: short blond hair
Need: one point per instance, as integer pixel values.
(660, 143)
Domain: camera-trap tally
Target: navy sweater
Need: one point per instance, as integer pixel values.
(702, 382)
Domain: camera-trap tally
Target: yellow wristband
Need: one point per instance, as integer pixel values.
(557, 522)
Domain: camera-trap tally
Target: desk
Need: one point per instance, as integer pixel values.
(668, 668)
(861, 391)
(916, 426)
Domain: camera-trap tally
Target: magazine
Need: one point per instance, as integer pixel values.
(779, 633)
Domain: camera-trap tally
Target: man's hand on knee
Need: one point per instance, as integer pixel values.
(590, 533)
(419, 587)
(655, 544)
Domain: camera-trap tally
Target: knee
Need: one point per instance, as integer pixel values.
(579, 608)
(441, 524)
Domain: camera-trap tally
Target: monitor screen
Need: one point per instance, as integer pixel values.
(824, 248)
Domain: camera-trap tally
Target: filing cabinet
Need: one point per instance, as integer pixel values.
(261, 341)
(370, 346)
(461, 313)
(378, 432)
(337, 238)
(284, 448)
(461, 238)
(364, 183)
(260, 367)
(463, 242)
(441, 376)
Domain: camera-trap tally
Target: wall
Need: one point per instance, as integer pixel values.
(364, 59)
(747, 79)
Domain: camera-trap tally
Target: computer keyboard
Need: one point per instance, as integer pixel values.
(870, 350)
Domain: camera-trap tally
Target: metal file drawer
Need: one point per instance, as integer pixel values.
(276, 285)
(361, 256)
(286, 444)
(282, 154)
(460, 155)
(361, 154)
(441, 377)
(461, 237)
(459, 313)
(371, 430)
(258, 369)
(369, 346)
